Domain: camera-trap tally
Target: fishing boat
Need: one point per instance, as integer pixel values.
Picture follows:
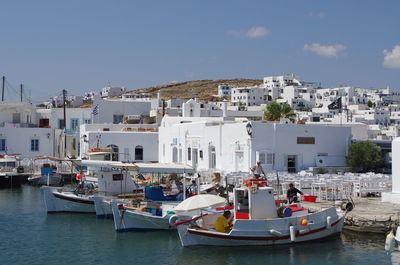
(47, 172)
(257, 220)
(12, 174)
(161, 215)
(109, 182)
(154, 211)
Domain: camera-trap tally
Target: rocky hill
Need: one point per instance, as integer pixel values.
(201, 89)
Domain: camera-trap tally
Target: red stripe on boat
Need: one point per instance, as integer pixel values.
(62, 197)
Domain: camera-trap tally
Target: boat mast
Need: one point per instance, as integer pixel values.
(22, 89)
(2, 89)
(65, 121)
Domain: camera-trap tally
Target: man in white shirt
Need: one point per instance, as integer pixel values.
(257, 170)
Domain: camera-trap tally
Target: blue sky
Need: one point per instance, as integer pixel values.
(83, 45)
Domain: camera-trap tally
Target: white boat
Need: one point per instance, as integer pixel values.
(256, 222)
(160, 215)
(147, 215)
(130, 218)
(111, 182)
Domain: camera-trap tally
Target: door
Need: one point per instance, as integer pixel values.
(239, 161)
(194, 157)
(291, 164)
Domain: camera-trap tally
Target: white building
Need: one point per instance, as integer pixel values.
(133, 142)
(20, 132)
(248, 96)
(115, 110)
(224, 144)
(110, 91)
(225, 90)
(54, 118)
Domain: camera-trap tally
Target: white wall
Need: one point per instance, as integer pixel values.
(125, 140)
(26, 111)
(18, 141)
(236, 151)
(108, 108)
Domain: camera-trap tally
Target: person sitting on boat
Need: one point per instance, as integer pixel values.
(223, 224)
(292, 193)
(257, 170)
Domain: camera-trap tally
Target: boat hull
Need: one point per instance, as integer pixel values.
(12, 180)
(59, 202)
(102, 206)
(129, 220)
(263, 232)
(54, 180)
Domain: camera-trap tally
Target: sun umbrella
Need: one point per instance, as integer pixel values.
(198, 202)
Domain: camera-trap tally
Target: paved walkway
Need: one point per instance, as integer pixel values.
(369, 214)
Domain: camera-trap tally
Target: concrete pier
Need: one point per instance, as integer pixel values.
(370, 215)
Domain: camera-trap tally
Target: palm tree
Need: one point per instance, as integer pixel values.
(275, 111)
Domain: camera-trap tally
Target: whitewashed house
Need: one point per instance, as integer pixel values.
(21, 133)
(225, 90)
(232, 145)
(110, 91)
(116, 110)
(128, 142)
(248, 96)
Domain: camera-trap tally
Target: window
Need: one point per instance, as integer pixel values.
(270, 159)
(305, 140)
(74, 124)
(126, 154)
(117, 118)
(261, 158)
(114, 153)
(87, 121)
(3, 145)
(138, 152)
(189, 154)
(61, 124)
(34, 145)
(44, 123)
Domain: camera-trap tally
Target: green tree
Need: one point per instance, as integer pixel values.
(364, 156)
(275, 111)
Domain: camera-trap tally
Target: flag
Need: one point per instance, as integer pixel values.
(337, 104)
(95, 110)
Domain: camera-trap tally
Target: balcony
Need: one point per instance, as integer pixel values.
(18, 125)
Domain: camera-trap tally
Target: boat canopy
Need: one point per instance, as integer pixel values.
(198, 202)
(142, 167)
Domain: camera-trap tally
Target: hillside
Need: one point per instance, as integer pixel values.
(201, 89)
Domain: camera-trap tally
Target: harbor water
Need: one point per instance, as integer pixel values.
(29, 236)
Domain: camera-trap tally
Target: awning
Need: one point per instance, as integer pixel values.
(142, 167)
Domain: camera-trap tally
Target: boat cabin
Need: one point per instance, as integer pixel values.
(254, 203)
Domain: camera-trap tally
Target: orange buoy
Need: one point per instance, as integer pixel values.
(304, 222)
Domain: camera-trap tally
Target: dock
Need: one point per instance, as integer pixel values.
(370, 215)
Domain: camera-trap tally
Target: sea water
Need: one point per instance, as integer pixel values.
(30, 236)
